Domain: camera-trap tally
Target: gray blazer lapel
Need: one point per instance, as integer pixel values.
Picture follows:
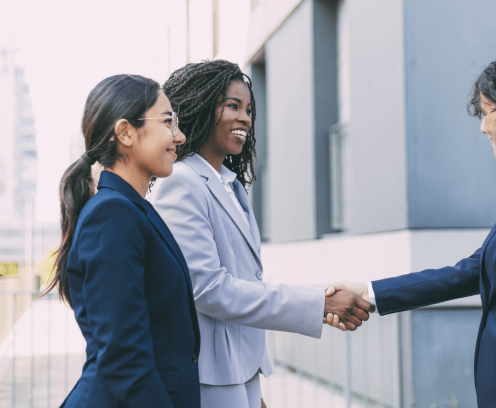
(255, 233)
(222, 196)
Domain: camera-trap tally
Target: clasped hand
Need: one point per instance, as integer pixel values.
(347, 305)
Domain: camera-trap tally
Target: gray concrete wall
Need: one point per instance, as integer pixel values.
(376, 190)
(290, 126)
(451, 168)
(443, 343)
(265, 19)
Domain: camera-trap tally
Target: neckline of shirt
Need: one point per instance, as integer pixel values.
(225, 176)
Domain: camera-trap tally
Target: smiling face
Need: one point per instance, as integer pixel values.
(488, 125)
(233, 126)
(155, 148)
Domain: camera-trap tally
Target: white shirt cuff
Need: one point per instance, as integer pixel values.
(372, 296)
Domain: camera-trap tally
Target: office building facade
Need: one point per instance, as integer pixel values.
(368, 165)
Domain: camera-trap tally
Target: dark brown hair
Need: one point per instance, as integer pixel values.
(117, 97)
(485, 85)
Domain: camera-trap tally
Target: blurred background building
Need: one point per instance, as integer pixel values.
(23, 241)
(368, 167)
(18, 156)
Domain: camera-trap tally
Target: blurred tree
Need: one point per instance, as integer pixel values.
(47, 266)
(9, 268)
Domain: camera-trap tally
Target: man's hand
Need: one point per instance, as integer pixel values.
(360, 289)
(349, 308)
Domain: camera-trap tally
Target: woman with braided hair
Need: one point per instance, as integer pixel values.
(196, 89)
(205, 204)
(118, 266)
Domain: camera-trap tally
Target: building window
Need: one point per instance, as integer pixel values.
(326, 112)
(337, 141)
(29, 138)
(29, 186)
(30, 154)
(28, 121)
(259, 190)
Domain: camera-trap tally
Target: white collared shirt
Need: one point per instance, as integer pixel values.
(372, 296)
(226, 177)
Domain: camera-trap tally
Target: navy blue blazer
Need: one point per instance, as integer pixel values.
(472, 275)
(131, 293)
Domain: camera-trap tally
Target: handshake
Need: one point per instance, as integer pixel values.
(347, 305)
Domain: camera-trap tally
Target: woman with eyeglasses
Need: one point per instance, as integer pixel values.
(118, 265)
(206, 206)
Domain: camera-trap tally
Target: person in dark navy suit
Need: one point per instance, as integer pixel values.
(473, 275)
(118, 266)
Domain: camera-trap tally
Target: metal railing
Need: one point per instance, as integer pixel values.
(42, 354)
(41, 350)
(340, 370)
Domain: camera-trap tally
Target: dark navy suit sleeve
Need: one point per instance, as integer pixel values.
(111, 253)
(429, 286)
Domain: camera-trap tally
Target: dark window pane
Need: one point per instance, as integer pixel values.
(29, 186)
(30, 154)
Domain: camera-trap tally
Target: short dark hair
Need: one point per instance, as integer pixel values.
(485, 85)
(193, 91)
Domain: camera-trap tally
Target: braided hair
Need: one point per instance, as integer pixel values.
(193, 91)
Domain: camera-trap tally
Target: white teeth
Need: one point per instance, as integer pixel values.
(239, 132)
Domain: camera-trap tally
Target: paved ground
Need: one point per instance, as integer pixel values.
(49, 353)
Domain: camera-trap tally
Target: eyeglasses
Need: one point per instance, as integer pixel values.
(175, 122)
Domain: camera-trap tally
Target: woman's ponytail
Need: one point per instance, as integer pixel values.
(117, 97)
(76, 188)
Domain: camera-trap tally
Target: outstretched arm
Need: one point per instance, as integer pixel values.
(184, 204)
(418, 289)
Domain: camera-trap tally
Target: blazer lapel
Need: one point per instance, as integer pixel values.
(163, 230)
(165, 233)
(255, 233)
(113, 181)
(222, 196)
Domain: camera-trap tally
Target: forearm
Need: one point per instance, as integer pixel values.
(427, 287)
(260, 305)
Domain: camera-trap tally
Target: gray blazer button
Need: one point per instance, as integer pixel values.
(259, 275)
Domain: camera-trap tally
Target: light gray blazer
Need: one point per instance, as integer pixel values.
(223, 256)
